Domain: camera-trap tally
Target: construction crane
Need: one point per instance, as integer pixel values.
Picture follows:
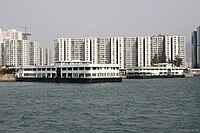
(24, 27)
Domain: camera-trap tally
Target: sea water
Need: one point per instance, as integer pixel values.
(134, 105)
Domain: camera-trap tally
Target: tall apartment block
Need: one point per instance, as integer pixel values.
(17, 49)
(10, 47)
(125, 51)
(46, 56)
(11, 34)
(35, 53)
(97, 50)
(1, 43)
(196, 48)
(170, 47)
(143, 51)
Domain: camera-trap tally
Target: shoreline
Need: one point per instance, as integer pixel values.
(7, 78)
(12, 78)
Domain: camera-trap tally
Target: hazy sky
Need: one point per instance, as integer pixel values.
(49, 19)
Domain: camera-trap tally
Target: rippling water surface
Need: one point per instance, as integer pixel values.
(148, 105)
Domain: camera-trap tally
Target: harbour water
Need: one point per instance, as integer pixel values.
(134, 105)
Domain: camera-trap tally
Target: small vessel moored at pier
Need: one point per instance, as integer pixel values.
(161, 70)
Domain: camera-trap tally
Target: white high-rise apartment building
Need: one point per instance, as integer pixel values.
(11, 34)
(168, 47)
(94, 53)
(125, 51)
(46, 56)
(62, 48)
(49, 57)
(140, 53)
(34, 48)
(69, 49)
(43, 57)
(182, 49)
(147, 51)
(117, 51)
(17, 49)
(103, 50)
(137, 51)
(130, 51)
(97, 50)
(120, 52)
(157, 46)
(20, 53)
(24, 46)
(143, 51)
(171, 47)
(175, 47)
(16, 53)
(77, 51)
(180, 53)
(87, 49)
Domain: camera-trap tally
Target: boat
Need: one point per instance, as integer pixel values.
(195, 71)
(160, 70)
(70, 72)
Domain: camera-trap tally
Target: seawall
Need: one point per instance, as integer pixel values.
(7, 78)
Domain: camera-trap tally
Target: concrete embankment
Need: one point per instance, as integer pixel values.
(7, 78)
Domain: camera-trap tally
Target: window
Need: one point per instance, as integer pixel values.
(64, 75)
(75, 68)
(112, 74)
(87, 68)
(81, 68)
(48, 75)
(108, 74)
(87, 74)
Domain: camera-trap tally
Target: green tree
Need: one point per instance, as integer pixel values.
(178, 61)
(155, 59)
(7, 71)
(162, 59)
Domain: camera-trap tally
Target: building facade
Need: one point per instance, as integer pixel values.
(130, 47)
(124, 51)
(194, 49)
(198, 47)
(17, 49)
(169, 48)
(195, 40)
(34, 48)
(103, 50)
